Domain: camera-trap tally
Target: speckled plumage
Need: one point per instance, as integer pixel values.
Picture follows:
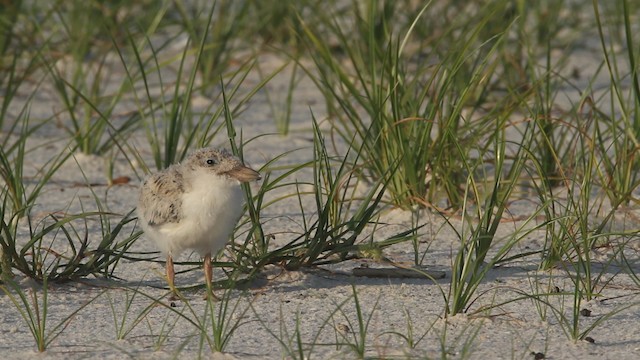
(194, 204)
(158, 201)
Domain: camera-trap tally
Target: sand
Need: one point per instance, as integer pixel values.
(405, 318)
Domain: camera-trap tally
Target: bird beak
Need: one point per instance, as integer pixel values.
(243, 174)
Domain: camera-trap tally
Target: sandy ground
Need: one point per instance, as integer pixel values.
(317, 302)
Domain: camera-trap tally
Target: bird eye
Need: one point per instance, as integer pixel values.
(211, 162)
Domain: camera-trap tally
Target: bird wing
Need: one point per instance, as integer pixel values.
(161, 198)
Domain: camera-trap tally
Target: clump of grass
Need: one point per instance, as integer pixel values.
(478, 235)
(402, 111)
(277, 22)
(341, 217)
(8, 22)
(35, 311)
(17, 197)
(82, 73)
(353, 335)
(122, 323)
(90, 110)
(214, 327)
(39, 259)
(171, 124)
(572, 235)
(217, 33)
(339, 220)
(220, 321)
(337, 227)
(618, 126)
(12, 76)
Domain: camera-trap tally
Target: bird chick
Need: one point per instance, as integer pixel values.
(194, 205)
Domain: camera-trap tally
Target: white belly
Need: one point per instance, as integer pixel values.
(210, 212)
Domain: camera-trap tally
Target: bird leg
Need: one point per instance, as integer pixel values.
(171, 275)
(208, 276)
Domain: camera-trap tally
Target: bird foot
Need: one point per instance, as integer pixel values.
(174, 296)
(209, 295)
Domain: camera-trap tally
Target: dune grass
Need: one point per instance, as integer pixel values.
(457, 109)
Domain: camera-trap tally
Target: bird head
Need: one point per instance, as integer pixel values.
(223, 163)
